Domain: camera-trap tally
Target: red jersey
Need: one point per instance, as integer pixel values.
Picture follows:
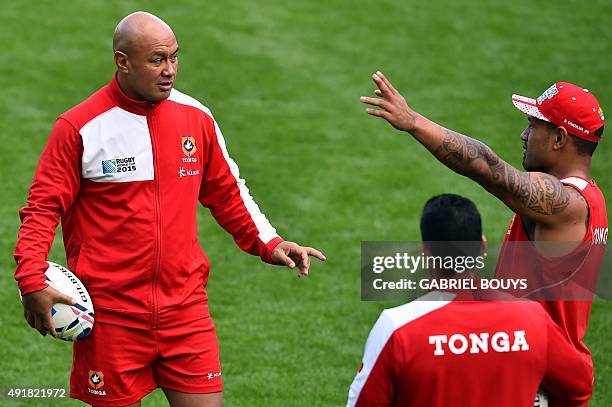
(125, 178)
(580, 268)
(470, 353)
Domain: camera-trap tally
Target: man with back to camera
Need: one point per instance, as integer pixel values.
(554, 200)
(459, 348)
(124, 171)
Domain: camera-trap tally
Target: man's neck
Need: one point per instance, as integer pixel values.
(581, 169)
(127, 91)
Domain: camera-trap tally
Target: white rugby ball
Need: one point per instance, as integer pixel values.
(71, 322)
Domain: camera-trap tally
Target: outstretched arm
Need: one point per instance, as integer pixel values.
(536, 196)
(230, 202)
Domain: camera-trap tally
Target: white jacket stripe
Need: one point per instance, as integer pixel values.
(266, 231)
(388, 322)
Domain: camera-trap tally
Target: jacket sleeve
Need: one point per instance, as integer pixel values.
(56, 182)
(374, 384)
(229, 200)
(569, 373)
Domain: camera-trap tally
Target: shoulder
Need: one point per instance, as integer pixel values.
(578, 183)
(576, 186)
(394, 318)
(517, 310)
(552, 201)
(527, 307)
(585, 192)
(96, 104)
(578, 207)
(392, 321)
(184, 99)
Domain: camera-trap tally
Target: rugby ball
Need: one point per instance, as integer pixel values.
(71, 322)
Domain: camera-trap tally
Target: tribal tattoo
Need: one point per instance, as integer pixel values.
(542, 193)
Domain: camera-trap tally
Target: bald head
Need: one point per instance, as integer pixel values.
(146, 55)
(139, 29)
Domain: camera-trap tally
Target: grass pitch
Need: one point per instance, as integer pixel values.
(283, 80)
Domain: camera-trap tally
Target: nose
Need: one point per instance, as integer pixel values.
(525, 134)
(169, 70)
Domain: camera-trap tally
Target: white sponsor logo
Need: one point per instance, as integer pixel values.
(458, 344)
(600, 236)
(576, 126)
(548, 93)
(97, 392)
(185, 173)
(211, 376)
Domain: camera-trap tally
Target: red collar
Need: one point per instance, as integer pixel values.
(140, 107)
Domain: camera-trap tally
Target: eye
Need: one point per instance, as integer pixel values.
(156, 60)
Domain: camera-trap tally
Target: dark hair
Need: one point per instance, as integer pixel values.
(585, 147)
(451, 218)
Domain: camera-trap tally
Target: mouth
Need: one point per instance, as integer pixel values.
(165, 86)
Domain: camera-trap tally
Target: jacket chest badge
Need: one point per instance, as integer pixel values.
(188, 145)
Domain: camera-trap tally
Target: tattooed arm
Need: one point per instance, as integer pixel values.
(536, 196)
(533, 195)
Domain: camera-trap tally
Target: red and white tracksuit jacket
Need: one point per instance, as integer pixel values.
(125, 178)
(441, 351)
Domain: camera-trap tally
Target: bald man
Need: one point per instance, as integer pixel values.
(124, 171)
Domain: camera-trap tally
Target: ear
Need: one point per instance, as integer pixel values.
(561, 138)
(121, 60)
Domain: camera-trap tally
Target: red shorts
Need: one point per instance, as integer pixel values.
(117, 366)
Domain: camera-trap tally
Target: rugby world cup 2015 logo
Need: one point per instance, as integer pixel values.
(119, 165)
(109, 166)
(188, 145)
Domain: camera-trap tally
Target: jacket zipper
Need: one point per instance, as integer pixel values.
(155, 314)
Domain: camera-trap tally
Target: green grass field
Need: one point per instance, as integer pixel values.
(283, 80)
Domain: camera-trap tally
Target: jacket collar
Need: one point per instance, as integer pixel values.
(139, 107)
